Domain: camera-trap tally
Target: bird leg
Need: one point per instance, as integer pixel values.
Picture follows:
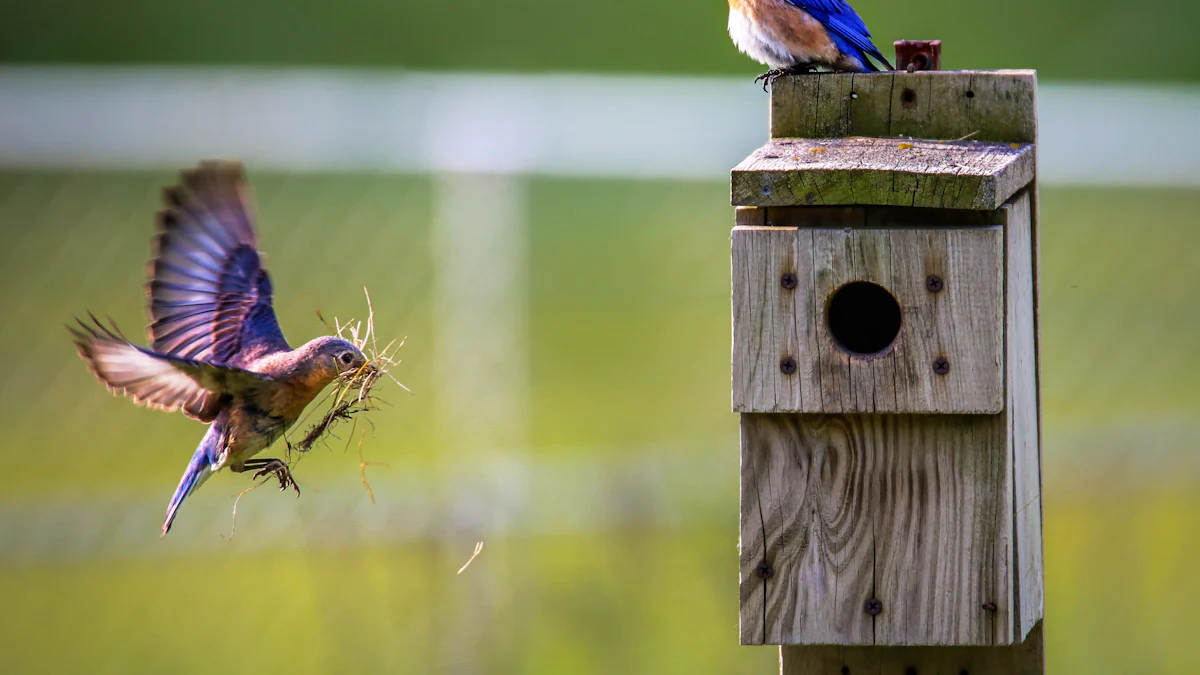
(770, 76)
(270, 465)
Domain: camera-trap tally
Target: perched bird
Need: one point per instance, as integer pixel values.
(799, 36)
(216, 351)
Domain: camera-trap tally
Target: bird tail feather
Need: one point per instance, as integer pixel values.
(198, 471)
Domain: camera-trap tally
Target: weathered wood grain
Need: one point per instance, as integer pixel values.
(908, 509)
(871, 216)
(946, 105)
(882, 171)
(1023, 414)
(1026, 658)
(962, 322)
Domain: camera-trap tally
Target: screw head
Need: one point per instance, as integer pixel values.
(934, 283)
(787, 365)
(941, 366)
(989, 606)
(764, 570)
(788, 281)
(873, 606)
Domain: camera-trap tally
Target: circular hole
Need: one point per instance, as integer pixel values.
(921, 61)
(908, 96)
(970, 94)
(863, 318)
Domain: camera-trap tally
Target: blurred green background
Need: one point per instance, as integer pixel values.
(620, 554)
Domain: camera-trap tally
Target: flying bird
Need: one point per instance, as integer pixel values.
(799, 36)
(216, 351)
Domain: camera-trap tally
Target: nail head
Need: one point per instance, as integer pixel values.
(764, 570)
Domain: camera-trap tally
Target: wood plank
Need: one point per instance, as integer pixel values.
(806, 512)
(882, 171)
(762, 255)
(946, 105)
(962, 323)
(903, 508)
(750, 215)
(1022, 404)
(1026, 658)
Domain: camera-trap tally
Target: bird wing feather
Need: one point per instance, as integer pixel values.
(210, 299)
(161, 381)
(841, 19)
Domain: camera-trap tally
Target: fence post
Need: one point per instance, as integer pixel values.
(884, 299)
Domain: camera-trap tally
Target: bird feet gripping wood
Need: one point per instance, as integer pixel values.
(769, 77)
(270, 465)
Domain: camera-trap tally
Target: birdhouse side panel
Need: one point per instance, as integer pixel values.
(1023, 411)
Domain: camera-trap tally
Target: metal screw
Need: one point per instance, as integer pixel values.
(788, 365)
(873, 607)
(764, 570)
(989, 606)
(941, 366)
(788, 280)
(934, 283)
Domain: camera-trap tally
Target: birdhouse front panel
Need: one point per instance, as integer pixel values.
(857, 320)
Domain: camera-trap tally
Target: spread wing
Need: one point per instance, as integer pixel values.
(158, 380)
(210, 298)
(841, 20)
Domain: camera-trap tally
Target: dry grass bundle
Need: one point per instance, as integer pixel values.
(353, 393)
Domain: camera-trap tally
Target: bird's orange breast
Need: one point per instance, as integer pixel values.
(789, 28)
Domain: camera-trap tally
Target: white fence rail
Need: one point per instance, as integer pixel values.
(589, 125)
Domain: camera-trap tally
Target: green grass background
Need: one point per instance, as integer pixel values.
(629, 342)
(629, 349)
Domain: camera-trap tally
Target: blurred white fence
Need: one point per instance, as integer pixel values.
(591, 125)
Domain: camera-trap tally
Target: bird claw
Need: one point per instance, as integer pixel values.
(769, 77)
(282, 473)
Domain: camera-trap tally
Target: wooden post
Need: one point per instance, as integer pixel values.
(885, 368)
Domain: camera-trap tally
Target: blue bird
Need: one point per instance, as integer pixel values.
(216, 350)
(799, 36)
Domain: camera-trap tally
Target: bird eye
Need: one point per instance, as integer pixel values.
(347, 358)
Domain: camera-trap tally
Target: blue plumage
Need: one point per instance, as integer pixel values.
(802, 36)
(198, 470)
(846, 28)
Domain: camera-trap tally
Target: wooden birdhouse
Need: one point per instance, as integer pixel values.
(885, 368)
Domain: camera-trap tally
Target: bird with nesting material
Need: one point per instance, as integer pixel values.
(216, 350)
(800, 36)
